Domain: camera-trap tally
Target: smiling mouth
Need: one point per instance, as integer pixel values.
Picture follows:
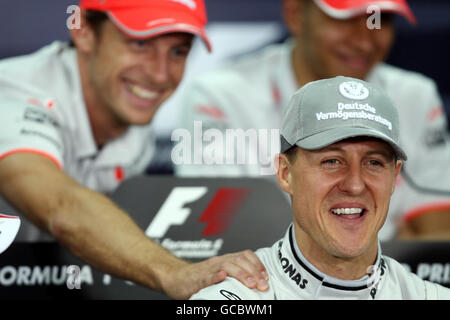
(142, 92)
(348, 212)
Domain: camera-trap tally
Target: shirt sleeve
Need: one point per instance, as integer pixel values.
(424, 183)
(28, 125)
(431, 150)
(434, 291)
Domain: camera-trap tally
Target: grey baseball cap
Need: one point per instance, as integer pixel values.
(326, 111)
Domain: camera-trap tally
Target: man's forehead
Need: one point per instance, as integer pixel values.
(369, 144)
(178, 35)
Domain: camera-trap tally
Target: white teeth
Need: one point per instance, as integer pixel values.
(347, 211)
(142, 93)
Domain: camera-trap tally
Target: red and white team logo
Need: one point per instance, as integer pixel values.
(217, 217)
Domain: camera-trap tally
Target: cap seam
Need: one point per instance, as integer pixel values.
(300, 129)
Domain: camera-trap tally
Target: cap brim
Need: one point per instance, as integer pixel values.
(351, 8)
(328, 137)
(146, 22)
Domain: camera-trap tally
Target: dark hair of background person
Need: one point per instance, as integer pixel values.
(95, 19)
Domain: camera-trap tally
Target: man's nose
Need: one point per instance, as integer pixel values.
(352, 181)
(363, 37)
(157, 68)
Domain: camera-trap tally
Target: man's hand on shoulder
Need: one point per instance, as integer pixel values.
(183, 280)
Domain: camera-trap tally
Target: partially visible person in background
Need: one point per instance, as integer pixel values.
(328, 38)
(74, 123)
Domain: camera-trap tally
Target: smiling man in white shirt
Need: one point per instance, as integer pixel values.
(340, 157)
(329, 38)
(74, 122)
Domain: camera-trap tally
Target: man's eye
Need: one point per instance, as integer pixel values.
(331, 162)
(375, 163)
(181, 51)
(139, 44)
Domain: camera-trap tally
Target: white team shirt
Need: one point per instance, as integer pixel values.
(251, 92)
(42, 110)
(292, 277)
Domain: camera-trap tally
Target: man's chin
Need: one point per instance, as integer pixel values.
(350, 249)
(140, 120)
(138, 116)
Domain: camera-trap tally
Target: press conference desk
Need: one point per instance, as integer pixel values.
(193, 218)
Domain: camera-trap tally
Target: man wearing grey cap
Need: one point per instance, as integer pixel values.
(330, 38)
(339, 160)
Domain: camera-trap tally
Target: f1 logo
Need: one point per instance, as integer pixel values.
(218, 214)
(173, 211)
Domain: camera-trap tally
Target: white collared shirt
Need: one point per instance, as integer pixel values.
(293, 277)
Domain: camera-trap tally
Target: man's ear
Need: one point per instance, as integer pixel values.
(292, 15)
(83, 37)
(398, 168)
(283, 172)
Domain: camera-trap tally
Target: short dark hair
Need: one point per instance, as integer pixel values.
(291, 154)
(95, 19)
